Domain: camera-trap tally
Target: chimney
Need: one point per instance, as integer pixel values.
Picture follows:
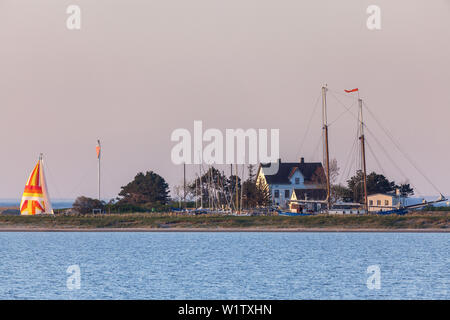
(302, 160)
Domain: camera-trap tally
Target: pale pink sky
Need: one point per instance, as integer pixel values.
(137, 70)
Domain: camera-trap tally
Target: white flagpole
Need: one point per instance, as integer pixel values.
(98, 164)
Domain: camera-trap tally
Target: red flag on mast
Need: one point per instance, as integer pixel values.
(98, 149)
(352, 90)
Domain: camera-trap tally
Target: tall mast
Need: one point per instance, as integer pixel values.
(184, 184)
(327, 154)
(237, 195)
(196, 194)
(242, 189)
(363, 154)
(201, 186)
(230, 188)
(209, 188)
(98, 149)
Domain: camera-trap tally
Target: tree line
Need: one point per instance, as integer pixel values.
(213, 189)
(150, 192)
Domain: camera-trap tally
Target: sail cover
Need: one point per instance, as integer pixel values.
(35, 199)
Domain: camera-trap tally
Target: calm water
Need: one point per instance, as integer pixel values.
(56, 204)
(224, 265)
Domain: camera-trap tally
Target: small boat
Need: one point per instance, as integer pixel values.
(399, 211)
(292, 214)
(35, 198)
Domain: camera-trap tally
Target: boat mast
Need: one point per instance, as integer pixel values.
(201, 185)
(230, 188)
(242, 186)
(325, 133)
(363, 154)
(184, 184)
(196, 194)
(237, 195)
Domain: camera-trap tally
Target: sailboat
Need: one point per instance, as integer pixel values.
(352, 207)
(35, 198)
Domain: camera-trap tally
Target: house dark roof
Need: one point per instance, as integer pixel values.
(311, 194)
(311, 171)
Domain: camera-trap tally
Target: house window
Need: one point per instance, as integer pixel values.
(286, 194)
(386, 202)
(371, 202)
(276, 193)
(297, 180)
(378, 202)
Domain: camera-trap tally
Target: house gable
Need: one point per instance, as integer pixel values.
(296, 178)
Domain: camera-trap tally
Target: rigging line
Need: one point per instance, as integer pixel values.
(383, 172)
(390, 159)
(406, 180)
(317, 146)
(309, 125)
(343, 94)
(354, 154)
(375, 157)
(401, 151)
(347, 110)
(345, 107)
(347, 162)
(46, 168)
(82, 179)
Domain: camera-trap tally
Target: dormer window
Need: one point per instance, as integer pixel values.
(297, 180)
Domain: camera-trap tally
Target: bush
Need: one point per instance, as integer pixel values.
(87, 205)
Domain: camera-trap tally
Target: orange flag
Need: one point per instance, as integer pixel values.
(98, 149)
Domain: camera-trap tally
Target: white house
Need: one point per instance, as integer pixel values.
(291, 176)
(383, 202)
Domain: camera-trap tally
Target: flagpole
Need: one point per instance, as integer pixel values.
(98, 166)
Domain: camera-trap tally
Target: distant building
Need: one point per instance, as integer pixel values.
(308, 194)
(383, 202)
(292, 176)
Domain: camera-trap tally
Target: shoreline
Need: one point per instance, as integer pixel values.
(306, 230)
(438, 223)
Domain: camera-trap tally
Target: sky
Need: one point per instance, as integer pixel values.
(138, 70)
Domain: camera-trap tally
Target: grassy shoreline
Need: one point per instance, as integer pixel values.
(432, 221)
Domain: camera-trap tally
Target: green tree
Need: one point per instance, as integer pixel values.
(376, 183)
(340, 193)
(405, 190)
(145, 190)
(87, 205)
(254, 195)
(213, 187)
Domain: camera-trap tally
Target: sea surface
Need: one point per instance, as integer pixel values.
(224, 265)
(56, 204)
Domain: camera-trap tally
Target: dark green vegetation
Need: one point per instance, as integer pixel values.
(376, 183)
(147, 192)
(86, 205)
(423, 220)
(224, 189)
